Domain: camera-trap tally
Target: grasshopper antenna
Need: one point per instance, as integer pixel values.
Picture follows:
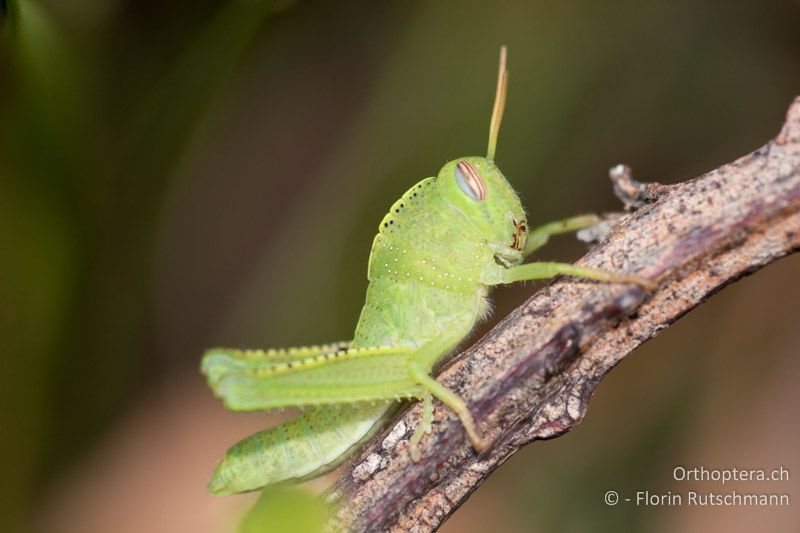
(499, 105)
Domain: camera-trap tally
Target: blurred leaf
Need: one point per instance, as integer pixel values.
(46, 119)
(79, 233)
(286, 509)
(171, 115)
(37, 232)
(106, 346)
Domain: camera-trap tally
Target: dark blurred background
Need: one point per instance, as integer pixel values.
(177, 175)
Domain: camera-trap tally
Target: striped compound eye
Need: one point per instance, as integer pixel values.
(470, 182)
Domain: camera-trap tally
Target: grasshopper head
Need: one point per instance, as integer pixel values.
(477, 188)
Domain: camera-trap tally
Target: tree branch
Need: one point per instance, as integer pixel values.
(532, 376)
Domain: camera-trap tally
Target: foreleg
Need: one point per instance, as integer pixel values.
(539, 236)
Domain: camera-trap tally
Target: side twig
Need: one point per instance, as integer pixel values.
(532, 376)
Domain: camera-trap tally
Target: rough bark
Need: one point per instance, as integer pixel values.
(531, 377)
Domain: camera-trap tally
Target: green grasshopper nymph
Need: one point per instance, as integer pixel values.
(438, 251)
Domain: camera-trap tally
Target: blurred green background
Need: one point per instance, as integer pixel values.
(177, 175)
